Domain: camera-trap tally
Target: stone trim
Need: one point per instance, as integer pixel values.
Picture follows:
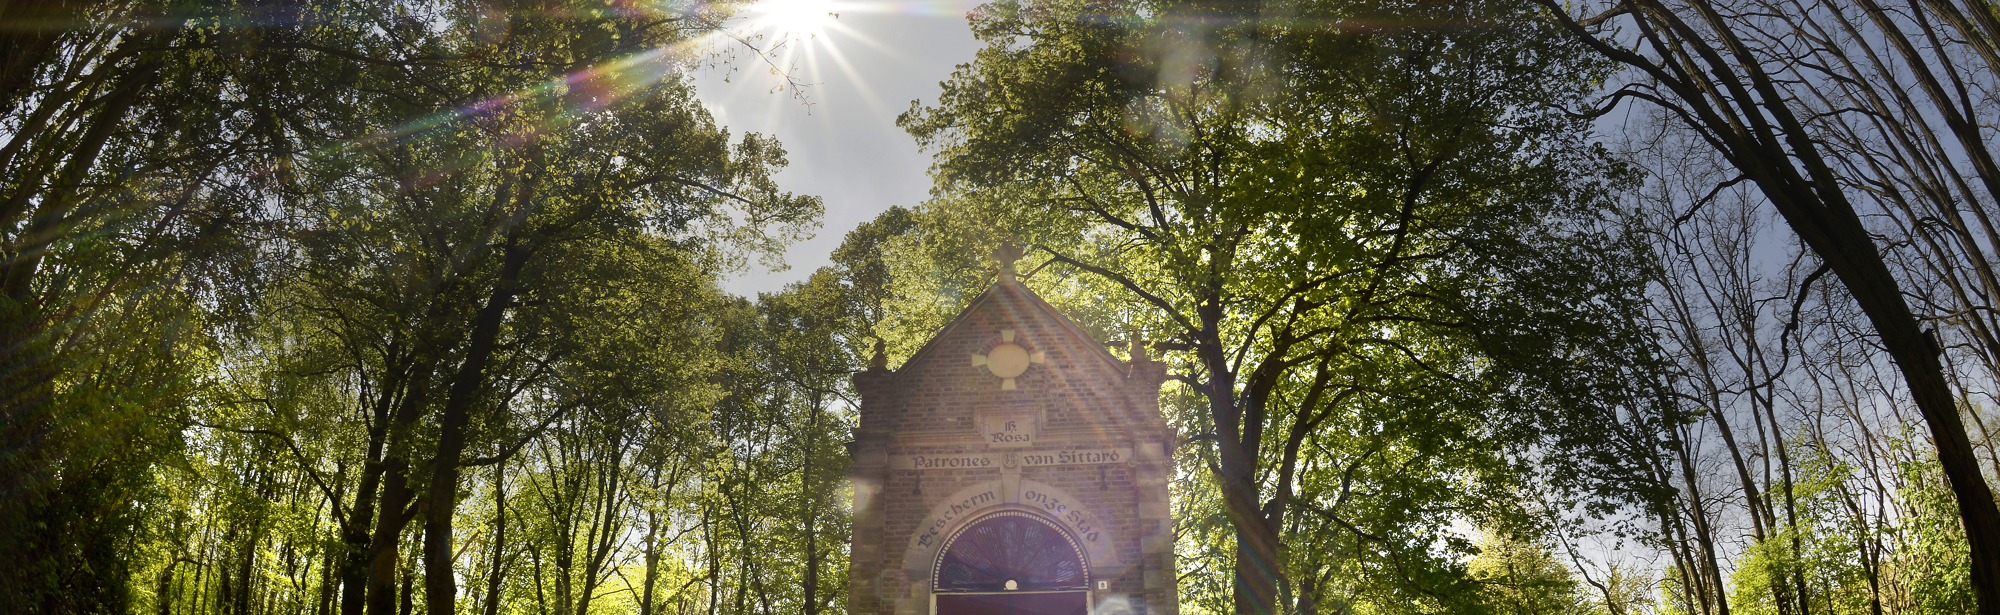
(920, 555)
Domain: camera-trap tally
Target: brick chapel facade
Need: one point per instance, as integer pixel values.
(1012, 467)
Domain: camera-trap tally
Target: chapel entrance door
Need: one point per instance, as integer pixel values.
(1012, 563)
(1017, 603)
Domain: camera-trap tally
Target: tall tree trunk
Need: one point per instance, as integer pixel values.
(467, 387)
(493, 587)
(1836, 235)
(1308, 601)
(714, 558)
(385, 554)
(406, 606)
(163, 590)
(330, 569)
(606, 531)
(384, 546)
(35, 27)
(652, 563)
(1254, 587)
(413, 379)
(1258, 568)
(653, 547)
(246, 570)
(1709, 563)
(811, 516)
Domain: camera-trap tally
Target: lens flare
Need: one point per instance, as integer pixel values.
(795, 18)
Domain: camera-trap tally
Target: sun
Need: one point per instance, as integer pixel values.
(797, 18)
(798, 39)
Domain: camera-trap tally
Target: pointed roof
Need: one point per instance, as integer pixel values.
(1009, 291)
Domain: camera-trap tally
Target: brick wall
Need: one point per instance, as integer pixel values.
(1080, 397)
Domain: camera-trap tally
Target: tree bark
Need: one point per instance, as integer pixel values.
(24, 46)
(811, 515)
(467, 386)
(384, 550)
(1255, 584)
(493, 587)
(652, 563)
(356, 536)
(52, 217)
(394, 514)
(607, 529)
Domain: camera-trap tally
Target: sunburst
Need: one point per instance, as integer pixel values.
(795, 19)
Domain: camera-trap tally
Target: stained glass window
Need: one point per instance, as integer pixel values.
(1024, 548)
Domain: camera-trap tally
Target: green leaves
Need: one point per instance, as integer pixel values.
(1385, 251)
(274, 268)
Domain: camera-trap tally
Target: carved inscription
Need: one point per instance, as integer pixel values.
(1071, 457)
(1012, 430)
(980, 461)
(928, 533)
(1068, 512)
(943, 462)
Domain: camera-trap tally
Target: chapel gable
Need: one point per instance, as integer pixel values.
(1012, 465)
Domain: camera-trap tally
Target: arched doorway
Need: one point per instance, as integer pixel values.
(1011, 563)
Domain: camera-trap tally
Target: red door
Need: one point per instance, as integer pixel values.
(1045, 603)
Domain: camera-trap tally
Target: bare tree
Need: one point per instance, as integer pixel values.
(1791, 94)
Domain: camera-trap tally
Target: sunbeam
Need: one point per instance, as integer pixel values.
(805, 19)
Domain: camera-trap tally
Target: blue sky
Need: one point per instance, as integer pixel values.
(862, 69)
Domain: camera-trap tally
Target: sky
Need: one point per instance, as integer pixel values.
(861, 69)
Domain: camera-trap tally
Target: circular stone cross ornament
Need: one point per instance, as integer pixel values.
(1007, 360)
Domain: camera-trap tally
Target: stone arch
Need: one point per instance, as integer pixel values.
(973, 502)
(1090, 528)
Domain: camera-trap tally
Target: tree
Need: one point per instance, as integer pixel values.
(1524, 577)
(1380, 223)
(115, 218)
(340, 219)
(1755, 104)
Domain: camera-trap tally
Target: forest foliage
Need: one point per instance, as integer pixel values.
(380, 307)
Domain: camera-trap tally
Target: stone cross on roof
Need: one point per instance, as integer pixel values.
(1006, 254)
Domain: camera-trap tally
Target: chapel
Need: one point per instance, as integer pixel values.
(1012, 466)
